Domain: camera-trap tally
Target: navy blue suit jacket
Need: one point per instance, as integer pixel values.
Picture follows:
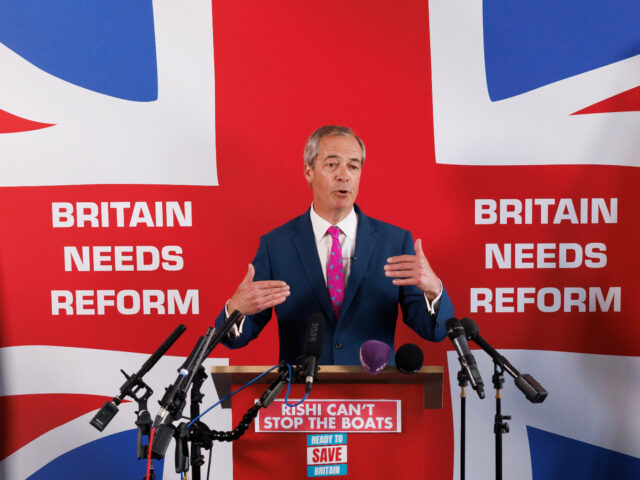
(370, 306)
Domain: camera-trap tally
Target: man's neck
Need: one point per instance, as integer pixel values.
(333, 217)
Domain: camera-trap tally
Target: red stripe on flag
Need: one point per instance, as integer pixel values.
(628, 101)
(10, 123)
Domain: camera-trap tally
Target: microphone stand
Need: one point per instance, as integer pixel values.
(199, 435)
(176, 403)
(197, 459)
(528, 385)
(198, 441)
(499, 426)
(463, 381)
(144, 422)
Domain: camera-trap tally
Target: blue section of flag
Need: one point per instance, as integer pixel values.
(107, 46)
(555, 457)
(326, 439)
(529, 44)
(326, 470)
(103, 459)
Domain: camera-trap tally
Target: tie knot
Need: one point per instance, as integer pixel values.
(334, 232)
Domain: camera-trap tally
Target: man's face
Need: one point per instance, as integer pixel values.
(335, 176)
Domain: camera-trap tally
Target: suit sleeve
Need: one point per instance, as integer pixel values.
(253, 324)
(414, 306)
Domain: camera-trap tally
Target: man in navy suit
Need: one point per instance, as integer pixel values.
(383, 267)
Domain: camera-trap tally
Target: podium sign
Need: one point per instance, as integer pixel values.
(331, 415)
(352, 425)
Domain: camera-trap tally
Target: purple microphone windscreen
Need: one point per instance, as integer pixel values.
(374, 356)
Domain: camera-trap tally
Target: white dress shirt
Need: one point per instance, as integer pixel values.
(348, 228)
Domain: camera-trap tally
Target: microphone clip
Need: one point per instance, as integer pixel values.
(498, 375)
(298, 374)
(110, 408)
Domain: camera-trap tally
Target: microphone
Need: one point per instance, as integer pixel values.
(374, 356)
(528, 385)
(313, 347)
(456, 333)
(174, 400)
(134, 382)
(409, 358)
(224, 329)
(172, 393)
(276, 386)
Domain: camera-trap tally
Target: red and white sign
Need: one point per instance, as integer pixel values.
(330, 415)
(326, 454)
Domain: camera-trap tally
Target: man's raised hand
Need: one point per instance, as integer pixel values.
(253, 297)
(414, 270)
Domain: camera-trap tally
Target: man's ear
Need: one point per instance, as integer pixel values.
(308, 173)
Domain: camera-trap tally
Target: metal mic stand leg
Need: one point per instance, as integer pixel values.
(197, 459)
(143, 422)
(463, 381)
(499, 426)
(185, 436)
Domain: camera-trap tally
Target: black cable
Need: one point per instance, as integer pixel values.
(199, 428)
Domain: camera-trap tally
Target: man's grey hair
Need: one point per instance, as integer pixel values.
(311, 147)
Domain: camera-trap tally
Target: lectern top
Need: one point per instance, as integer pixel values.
(430, 377)
(336, 374)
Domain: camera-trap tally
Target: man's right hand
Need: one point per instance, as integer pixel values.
(253, 297)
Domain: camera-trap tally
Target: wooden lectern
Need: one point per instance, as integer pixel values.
(352, 425)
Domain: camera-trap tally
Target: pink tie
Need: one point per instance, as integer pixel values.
(335, 272)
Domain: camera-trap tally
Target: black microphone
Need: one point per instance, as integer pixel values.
(313, 347)
(174, 400)
(224, 329)
(276, 386)
(409, 358)
(528, 385)
(456, 333)
(172, 393)
(133, 383)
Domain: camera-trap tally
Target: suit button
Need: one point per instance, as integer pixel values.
(338, 345)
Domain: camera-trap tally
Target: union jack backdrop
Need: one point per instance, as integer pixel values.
(146, 145)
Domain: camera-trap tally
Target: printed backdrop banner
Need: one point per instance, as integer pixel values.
(145, 147)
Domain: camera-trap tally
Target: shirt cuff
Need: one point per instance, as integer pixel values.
(432, 307)
(236, 330)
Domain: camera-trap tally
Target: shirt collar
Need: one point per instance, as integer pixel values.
(348, 225)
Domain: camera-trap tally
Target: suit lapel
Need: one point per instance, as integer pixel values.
(305, 244)
(366, 241)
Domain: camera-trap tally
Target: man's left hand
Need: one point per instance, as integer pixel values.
(414, 270)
